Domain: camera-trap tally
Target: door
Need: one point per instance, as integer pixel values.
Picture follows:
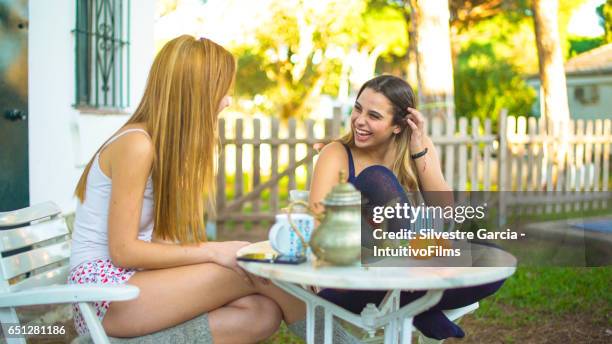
(14, 175)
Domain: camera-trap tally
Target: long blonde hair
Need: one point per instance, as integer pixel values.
(400, 95)
(186, 84)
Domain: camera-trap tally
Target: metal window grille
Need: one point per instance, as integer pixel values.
(102, 54)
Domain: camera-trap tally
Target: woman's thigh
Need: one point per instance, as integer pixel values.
(172, 296)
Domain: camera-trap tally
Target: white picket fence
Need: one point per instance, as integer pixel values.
(555, 173)
(532, 161)
(518, 158)
(258, 164)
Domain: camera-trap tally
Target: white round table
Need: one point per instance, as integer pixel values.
(396, 320)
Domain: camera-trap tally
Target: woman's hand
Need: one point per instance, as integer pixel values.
(224, 254)
(416, 122)
(318, 146)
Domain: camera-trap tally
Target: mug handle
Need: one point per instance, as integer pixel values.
(272, 235)
(294, 227)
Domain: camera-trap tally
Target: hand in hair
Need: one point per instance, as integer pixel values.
(416, 122)
(318, 146)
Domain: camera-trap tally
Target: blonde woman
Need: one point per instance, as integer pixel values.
(140, 219)
(387, 153)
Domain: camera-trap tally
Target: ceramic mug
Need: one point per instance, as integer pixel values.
(290, 233)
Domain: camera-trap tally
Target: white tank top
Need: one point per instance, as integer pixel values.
(90, 234)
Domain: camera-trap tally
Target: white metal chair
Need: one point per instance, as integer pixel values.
(35, 248)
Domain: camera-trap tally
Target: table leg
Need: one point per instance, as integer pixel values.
(397, 318)
(389, 305)
(406, 330)
(310, 322)
(392, 320)
(328, 326)
(396, 329)
(390, 302)
(391, 332)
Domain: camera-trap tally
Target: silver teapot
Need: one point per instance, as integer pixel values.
(337, 240)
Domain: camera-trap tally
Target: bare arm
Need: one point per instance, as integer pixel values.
(162, 241)
(331, 160)
(131, 158)
(429, 171)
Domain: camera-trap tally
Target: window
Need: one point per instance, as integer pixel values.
(102, 54)
(587, 94)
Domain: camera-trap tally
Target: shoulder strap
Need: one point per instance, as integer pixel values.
(351, 175)
(112, 139)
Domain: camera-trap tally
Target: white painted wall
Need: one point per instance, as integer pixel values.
(600, 109)
(61, 138)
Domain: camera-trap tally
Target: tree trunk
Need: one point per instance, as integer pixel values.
(434, 60)
(411, 55)
(552, 74)
(553, 94)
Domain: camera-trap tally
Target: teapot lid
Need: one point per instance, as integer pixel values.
(343, 193)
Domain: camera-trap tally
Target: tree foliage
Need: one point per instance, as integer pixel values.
(486, 83)
(305, 48)
(605, 14)
(299, 50)
(491, 61)
(495, 50)
(579, 45)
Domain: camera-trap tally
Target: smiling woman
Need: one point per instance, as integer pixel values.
(388, 153)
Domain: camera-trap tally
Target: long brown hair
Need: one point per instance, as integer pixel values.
(400, 95)
(186, 84)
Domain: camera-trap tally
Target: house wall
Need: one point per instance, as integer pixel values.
(601, 108)
(61, 138)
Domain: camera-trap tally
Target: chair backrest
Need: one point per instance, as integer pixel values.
(34, 247)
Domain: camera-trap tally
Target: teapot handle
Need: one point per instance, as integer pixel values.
(292, 224)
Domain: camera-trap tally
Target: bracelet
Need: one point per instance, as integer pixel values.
(419, 154)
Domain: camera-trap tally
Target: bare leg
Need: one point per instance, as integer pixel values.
(171, 296)
(241, 321)
(293, 309)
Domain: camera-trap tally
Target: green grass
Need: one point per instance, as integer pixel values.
(533, 292)
(283, 336)
(565, 214)
(552, 253)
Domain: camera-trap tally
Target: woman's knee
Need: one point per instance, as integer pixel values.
(379, 185)
(489, 289)
(377, 172)
(262, 314)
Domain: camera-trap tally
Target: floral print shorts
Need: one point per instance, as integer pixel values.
(99, 271)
